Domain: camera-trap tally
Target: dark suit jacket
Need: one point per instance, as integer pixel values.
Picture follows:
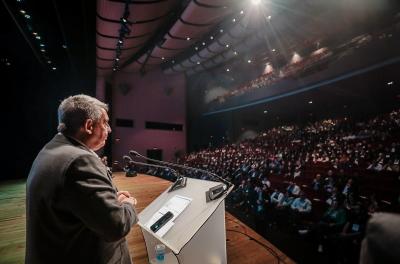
(72, 211)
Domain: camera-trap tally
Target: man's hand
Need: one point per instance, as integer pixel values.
(131, 200)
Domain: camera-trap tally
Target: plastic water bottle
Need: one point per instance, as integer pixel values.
(160, 253)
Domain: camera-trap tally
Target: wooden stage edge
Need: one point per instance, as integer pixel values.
(243, 244)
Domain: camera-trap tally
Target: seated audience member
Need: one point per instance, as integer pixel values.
(317, 183)
(348, 187)
(332, 222)
(293, 189)
(333, 197)
(373, 205)
(276, 197)
(301, 204)
(286, 201)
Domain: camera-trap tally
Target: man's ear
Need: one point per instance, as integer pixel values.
(88, 126)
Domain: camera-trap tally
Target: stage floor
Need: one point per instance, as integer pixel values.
(243, 244)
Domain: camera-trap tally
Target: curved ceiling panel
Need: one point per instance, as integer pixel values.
(143, 10)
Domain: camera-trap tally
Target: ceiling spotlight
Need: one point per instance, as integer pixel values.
(120, 41)
(114, 69)
(117, 59)
(42, 50)
(34, 33)
(196, 48)
(249, 61)
(273, 50)
(8, 63)
(49, 61)
(41, 45)
(38, 37)
(390, 83)
(235, 52)
(203, 43)
(173, 61)
(265, 111)
(54, 68)
(27, 16)
(234, 20)
(64, 46)
(227, 69)
(198, 62)
(269, 17)
(211, 37)
(124, 20)
(22, 11)
(255, 2)
(162, 58)
(309, 102)
(241, 12)
(221, 30)
(187, 38)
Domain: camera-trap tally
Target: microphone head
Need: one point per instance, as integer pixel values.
(133, 153)
(127, 158)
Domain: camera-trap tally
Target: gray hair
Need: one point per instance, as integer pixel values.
(75, 110)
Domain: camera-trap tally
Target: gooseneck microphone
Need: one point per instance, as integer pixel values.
(130, 161)
(136, 154)
(180, 180)
(212, 194)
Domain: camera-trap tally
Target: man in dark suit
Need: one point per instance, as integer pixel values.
(74, 212)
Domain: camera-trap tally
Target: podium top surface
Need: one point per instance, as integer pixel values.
(190, 220)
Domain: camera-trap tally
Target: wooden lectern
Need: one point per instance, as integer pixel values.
(198, 234)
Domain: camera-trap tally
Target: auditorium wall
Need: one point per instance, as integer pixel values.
(154, 97)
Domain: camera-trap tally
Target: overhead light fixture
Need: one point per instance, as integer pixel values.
(221, 30)
(211, 37)
(187, 38)
(203, 43)
(255, 2)
(227, 69)
(120, 41)
(235, 52)
(117, 59)
(22, 11)
(38, 37)
(34, 33)
(265, 111)
(227, 45)
(198, 62)
(54, 68)
(27, 16)
(390, 83)
(173, 61)
(42, 50)
(162, 58)
(249, 61)
(196, 48)
(273, 50)
(241, 12)
(310, 102)
(41, 45)
(269, 17)
(8, 63)
(64, 46)
(234, 20)
(49, 61)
